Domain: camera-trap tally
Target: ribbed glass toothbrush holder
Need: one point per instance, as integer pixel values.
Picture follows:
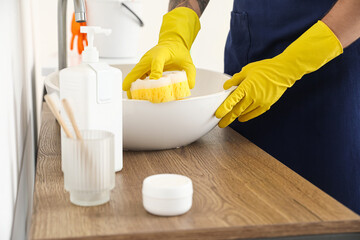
(89, 168)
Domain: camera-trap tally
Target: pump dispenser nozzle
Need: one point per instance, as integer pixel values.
(91, 54)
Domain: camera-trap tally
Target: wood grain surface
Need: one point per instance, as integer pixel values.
(239, 192)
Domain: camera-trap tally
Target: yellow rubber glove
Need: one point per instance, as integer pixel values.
(178, 31)
(261, 84)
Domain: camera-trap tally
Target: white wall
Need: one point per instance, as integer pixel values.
(208, 49)
(17, 138)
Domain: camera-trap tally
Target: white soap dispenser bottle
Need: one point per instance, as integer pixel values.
(94, 89)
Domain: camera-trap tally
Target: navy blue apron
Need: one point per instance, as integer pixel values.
(314, 128)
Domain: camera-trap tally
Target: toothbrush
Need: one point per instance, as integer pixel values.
(57, 115)
(71, 116)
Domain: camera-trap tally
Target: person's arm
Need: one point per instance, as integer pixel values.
(197, 5)
(261, 84)
(344, 21)
(177, 34)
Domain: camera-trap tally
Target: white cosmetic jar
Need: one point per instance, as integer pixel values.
(167, 194)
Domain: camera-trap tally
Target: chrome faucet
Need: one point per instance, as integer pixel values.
(80, 16)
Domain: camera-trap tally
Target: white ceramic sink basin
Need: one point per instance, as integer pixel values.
(148, 126)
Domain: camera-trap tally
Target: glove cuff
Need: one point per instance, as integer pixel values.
(337, 47)
(313, 49)
(181, 24)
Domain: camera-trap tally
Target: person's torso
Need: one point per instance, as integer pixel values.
(314, 128)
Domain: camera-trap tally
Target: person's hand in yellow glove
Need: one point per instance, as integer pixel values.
(178, 31)
(261, 84)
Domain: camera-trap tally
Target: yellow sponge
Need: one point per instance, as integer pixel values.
(171, 86)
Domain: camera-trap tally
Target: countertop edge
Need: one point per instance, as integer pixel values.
(242, 232)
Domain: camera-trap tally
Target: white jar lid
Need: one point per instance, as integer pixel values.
(167, 186)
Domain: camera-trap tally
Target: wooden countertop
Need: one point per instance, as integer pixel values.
(239, 192)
